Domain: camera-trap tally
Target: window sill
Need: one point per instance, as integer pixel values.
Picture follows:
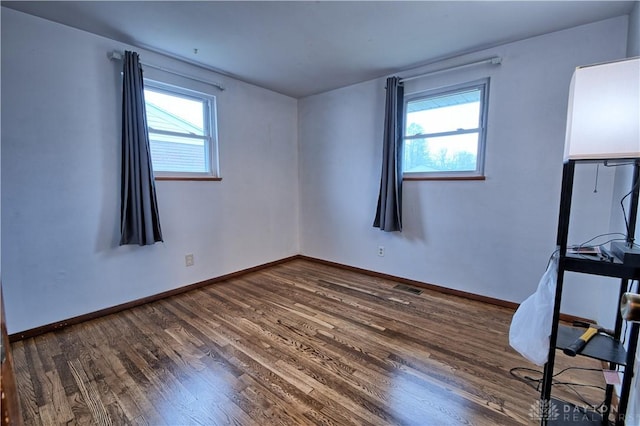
(410, 178)
(185, 178)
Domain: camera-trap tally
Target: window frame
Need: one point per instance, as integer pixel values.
(478, 174)
(210, 131)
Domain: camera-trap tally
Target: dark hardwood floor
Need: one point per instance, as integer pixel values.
(297, 343)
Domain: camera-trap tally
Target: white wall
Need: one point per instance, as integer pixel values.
(490, 237)
(61, 181)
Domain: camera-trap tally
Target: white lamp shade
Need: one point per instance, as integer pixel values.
(603, 119)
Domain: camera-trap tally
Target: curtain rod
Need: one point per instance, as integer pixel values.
(117, 56)
(496, 60)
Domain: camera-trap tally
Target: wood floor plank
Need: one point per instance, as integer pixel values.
(56, 407)
(90, 394)
(299, 343)
(26, 393)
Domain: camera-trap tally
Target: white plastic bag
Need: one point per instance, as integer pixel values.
(531, 323)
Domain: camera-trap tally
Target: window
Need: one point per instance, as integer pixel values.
(445, 132)
(182, 132)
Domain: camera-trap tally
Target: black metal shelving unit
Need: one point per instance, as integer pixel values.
(600, 347)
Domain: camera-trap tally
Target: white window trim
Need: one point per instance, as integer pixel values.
(211, 129)
(483, 85)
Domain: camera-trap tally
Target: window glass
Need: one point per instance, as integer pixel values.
(445, 131)
(181, 127)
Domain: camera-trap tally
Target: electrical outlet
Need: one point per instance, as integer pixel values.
(381, 251)
(188, 260)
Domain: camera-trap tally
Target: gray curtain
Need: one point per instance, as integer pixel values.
(389, 212)
(139, 219)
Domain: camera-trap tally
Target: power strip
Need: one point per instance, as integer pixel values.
(629, 256)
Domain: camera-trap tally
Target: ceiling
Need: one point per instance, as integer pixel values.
(302, 48)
